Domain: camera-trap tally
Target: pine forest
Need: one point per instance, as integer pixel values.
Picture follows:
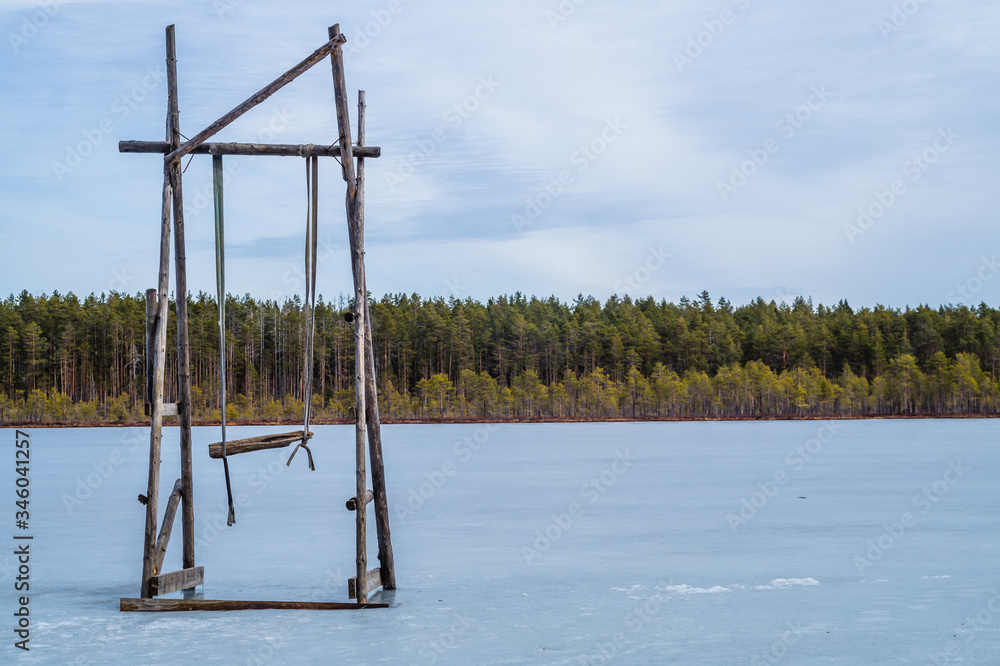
(71, 361)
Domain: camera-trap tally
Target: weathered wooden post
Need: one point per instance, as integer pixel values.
(183, 347)
(356, 233)
(151, 312)
(157, 343)
(388, 570)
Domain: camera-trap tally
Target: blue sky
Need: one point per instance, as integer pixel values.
(829, 149)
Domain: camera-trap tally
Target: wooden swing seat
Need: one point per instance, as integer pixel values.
(246, 445)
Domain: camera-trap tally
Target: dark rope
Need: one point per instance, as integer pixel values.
(302, 445)
(220, 280)
(184, 170)
(312, 214)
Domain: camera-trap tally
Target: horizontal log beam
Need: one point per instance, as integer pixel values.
(176, 580)
(373, 580)
(166, 605)
(255, 99)
(278, 149)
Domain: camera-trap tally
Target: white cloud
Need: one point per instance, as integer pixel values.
(656, 183)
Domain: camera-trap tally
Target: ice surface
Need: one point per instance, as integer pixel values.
(868, 542)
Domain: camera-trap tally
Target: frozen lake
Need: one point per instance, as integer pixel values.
(859, 542)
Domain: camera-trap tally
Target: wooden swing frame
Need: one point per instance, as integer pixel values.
(155, 583)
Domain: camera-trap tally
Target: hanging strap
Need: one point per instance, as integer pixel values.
(312, 209)
(220, 281)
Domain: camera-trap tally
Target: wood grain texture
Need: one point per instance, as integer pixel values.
(343, 117)
(177, 580)
(372, 419)
(372, 580)
(160, 354)
(173, 168)
(275, 149)
(356, 232)
(249, 444)
(168, 524)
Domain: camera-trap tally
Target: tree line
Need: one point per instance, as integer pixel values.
(63, 359)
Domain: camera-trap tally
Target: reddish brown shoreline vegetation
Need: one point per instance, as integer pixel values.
(444, 421)
(67, 361)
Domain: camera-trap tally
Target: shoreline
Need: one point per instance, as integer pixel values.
(472, 421)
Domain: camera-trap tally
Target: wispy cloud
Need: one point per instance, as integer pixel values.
(560, 80)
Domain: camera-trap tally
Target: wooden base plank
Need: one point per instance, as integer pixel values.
(176, 580)
(168, 605)
(373, 581)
